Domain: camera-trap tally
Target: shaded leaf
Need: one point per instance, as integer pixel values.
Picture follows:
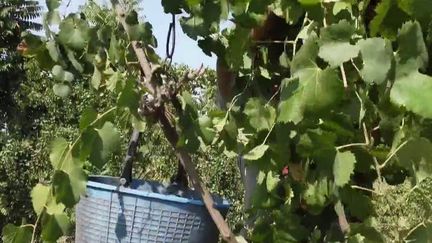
(16, 234)
(261, 116)
(55, 226)
(106, 140)
(412, 45)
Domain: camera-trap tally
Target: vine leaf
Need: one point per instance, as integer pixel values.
(313, 90)
(334, 43)
(55, 226)
(261, 116)
(343, 167)
(58, 150)
(69, 185)
(16, 234)
(419, 9)
(421, 234)
(291, 11)
(306, 56)
(87, 117)
(412, 45)
(388, 19)
(103, 142)
(316, 195)
(412, 90)
(336, 53)
(39, 195)
(416, 156)
(377, 59)
(256, 153)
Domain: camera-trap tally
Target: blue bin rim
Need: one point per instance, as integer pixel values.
(172, 198)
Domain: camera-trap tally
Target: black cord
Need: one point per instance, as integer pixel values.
(171, 37)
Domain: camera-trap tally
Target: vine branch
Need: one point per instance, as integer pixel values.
(172, 136)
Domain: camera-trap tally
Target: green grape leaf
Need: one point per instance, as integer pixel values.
(87, 117)
(388, 19)
(339, 32)
(334, 43)
(237, 46)
(416, 156)
(343, 167)
(69, 185)
(271, 181)
(40, 194)
(103, 142)
(173, 7)
(192, 3)
(412, 45)
(423, 233)
(317, 195)
(129, 97)
(377, 59)
(419, 9)
(54, 208)
(194, 26)
(358, 204)
(143, 32)
(305, 57)
(261, 116)
(55, 226)
(17, 234)
(256, 153)
(336, 53)
(412, 90)
(59, 148)
(314, 90)
(205, 126)
(290, 10)
(74, 33)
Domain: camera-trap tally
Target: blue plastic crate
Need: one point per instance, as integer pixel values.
(144, 212)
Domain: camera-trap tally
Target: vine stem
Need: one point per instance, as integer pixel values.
(351, 145)
(416, 227)
(35, 227)
(268, 134)
(344, 78)
(170, 133)
(392, 154)
(365, 189)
